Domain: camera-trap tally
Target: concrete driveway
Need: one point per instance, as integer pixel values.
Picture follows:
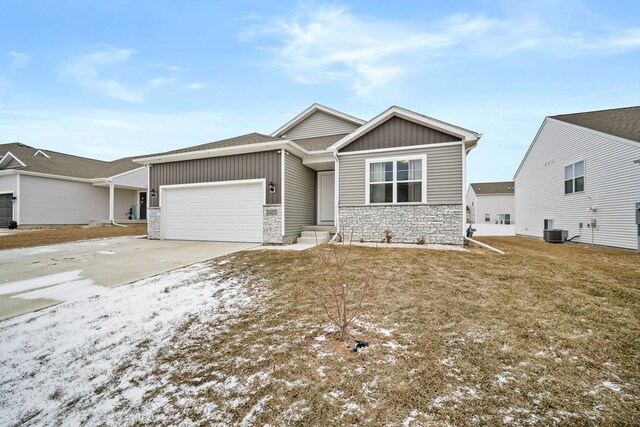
(34, 278)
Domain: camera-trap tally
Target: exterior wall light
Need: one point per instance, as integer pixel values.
(272, 187)
(153, 193)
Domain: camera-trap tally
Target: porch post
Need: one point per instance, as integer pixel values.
(111, 201)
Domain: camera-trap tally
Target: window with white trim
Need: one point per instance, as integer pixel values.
(397, 180)
(574, 178)
(487, 217)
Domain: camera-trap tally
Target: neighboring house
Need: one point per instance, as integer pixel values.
(491, 203)
(43, 187)
(400, 171)
(582, 174)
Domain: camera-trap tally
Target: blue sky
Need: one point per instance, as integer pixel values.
(118, 78)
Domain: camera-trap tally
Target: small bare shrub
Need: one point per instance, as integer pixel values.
(420, 240)
(362, 240)
(388, 235)
(344, 288)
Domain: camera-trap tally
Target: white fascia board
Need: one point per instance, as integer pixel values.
(571, 125)
(9, 172)
(395, 149)
(226, 151)
(5, 160)
(464, 134)
(535, 138)
(597, 132)
(48, 175)
(41, 152)
(309, 111)
(319, 157)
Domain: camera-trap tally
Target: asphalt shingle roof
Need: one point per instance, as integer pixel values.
(250, 138)
(65, 164)
(506, 187)
(621, 122)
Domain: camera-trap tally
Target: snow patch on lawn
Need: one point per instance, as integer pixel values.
(88, 360)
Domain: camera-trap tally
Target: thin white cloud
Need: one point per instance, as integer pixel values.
(196, 85)
(18, 60)
(161, 81)
(329, 43)
(87, 71)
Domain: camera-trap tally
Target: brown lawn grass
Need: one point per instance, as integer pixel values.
(546, 334)
(29, 238)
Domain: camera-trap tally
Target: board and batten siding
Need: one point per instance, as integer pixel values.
(299, 196)
(266, 164)
(398, 132)
(320, 123)
(444, 174)
(612, 183)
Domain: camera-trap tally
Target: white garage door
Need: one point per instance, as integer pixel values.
(226, 212)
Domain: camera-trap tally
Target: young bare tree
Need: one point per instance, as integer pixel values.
(345, 287)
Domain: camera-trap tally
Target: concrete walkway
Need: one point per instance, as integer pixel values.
(34, 278)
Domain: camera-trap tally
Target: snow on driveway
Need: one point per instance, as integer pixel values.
(75, 363)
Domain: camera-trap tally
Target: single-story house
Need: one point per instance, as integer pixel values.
(582, 174)
(491, 203)
(400, 171)
(40, 187)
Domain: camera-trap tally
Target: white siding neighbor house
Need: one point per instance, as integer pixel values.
(43, 188)
(491, 203)
(491, 208)
(582, 174)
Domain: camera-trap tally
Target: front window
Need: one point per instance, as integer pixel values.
(396, 181)
(505, 219)
(574, 178)
(487, 217)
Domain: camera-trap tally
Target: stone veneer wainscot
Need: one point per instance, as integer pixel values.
(272, 224)
(153, 223)
(439, 224)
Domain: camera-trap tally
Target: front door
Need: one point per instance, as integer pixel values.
(326, 198)
(143, 205)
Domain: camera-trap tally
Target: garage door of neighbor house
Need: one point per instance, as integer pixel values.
(6, 210)
(220, 211)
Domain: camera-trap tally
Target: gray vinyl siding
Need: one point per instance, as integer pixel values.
(300, 196)
(265, 164)
(611, 182)
(57, 201)
(320, 124)
(398, 132)
(444, 175)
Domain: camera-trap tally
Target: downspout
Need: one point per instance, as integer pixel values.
(112, 191)
(336, 197)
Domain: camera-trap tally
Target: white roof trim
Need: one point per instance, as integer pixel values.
(6, 159)
(309, 111)
(395, 111)
(226, 151)
(593, 131)
(41, 152)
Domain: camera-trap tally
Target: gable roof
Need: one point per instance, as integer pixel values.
(482, 188)
(311, 110)
(395, 111)
(62, 164)
(319, 143)
(620, 122)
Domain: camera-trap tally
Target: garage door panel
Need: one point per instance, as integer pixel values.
(214, 212)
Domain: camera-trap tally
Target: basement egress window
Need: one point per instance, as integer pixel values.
(398, 180)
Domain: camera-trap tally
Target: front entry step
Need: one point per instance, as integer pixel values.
(314, 237)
